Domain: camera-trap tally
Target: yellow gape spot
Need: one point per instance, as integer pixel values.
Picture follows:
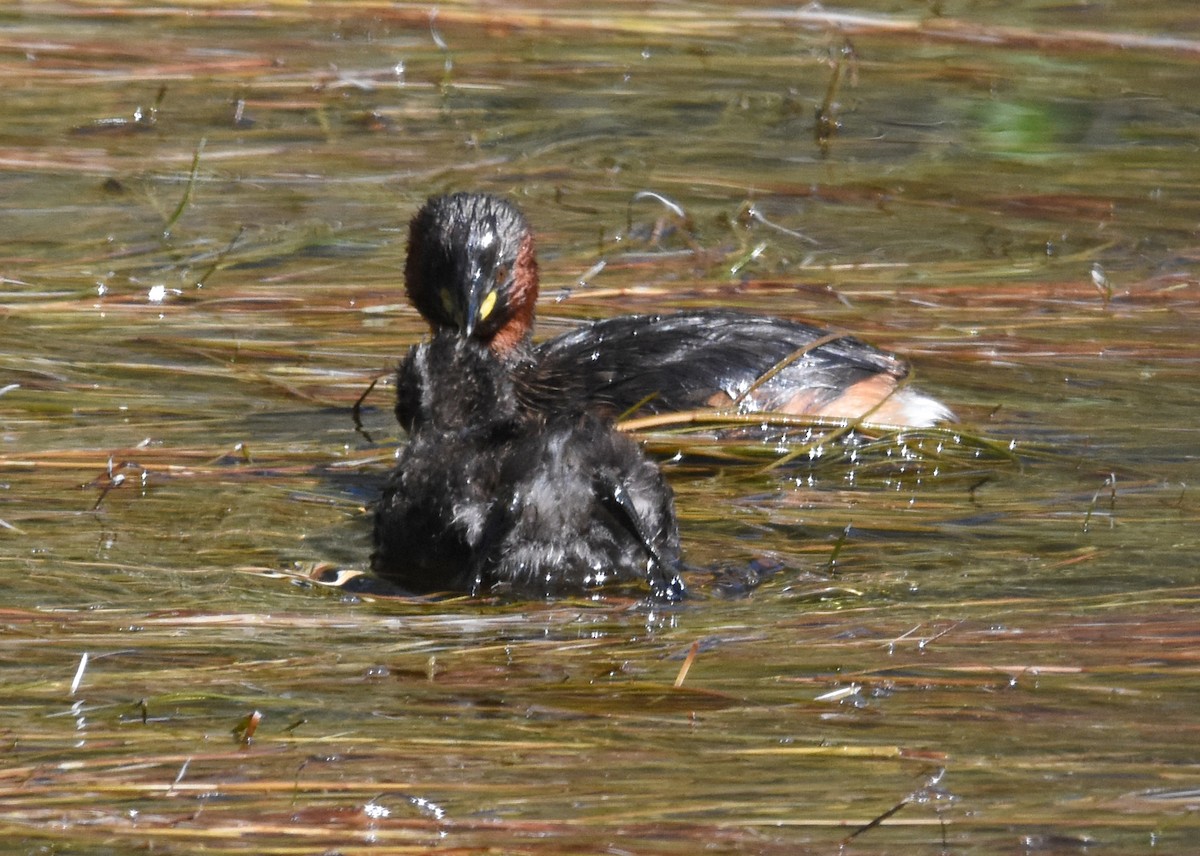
(447, 303)
(489, 303)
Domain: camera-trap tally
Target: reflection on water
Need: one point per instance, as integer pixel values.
(204, 222)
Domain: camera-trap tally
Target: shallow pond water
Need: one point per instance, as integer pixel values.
(983, 638)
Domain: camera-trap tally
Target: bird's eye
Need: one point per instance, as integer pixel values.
(447, 302)
(503, 272)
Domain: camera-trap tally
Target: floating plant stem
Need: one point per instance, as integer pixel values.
(827, 122)
(687, 663)
(837, 549)
(244, 731)
(356, 410)
(187, 191)
(221, 255)
(78, 679)
(1111, 483)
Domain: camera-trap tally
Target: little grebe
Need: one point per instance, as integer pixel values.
(488, 498)
(471, 267)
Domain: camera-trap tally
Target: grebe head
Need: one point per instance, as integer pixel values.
(471, 267)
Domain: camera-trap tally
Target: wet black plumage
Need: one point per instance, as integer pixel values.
(684, 361)
(488, 498)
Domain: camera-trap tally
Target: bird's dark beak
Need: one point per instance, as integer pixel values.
(477, 287)
(482, 296)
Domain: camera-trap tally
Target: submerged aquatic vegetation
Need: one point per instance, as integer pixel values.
(951, 644)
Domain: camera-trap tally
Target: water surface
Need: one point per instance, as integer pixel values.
(204, 225)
